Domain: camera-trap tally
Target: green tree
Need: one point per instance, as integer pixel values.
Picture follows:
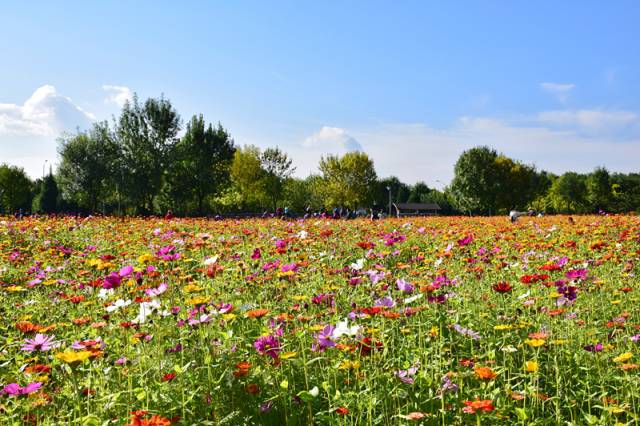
(46, 200)
(146, 135)
(199, 164)
(599, 189)
(87, 162)
(400, 191)
(277, 168)
(247, 177)
(568, 193)
(476, 182)
(418, 191)
(15, 189)
(349, 180)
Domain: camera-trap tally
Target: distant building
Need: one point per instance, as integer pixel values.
(416, 209)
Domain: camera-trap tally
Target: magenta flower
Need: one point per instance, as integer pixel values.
(257, 254)
(15, 389)
(112, 280)
(293, 267)
(40, 343)
(267, 345)
(577, 274)
(126, 271)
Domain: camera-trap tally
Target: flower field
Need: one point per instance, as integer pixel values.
(405, 321)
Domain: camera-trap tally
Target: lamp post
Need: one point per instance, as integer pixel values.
(389, 189)
(43, 166)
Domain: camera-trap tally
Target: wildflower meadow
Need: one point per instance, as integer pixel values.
(434, 321)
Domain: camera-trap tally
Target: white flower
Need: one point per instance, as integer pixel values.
(358, 265)
(210, 260)
(412, 298)
(342, 328)
(105, 293)
(146, 309)
(118, 305)
(303, 234)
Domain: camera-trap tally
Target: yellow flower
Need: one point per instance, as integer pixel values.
(191, 288)
(199, 300)
(15, 288)
(500, 327)
(349, 365)
(624, 357)
(531, 366)
(145, 258)
(288, 355)
(434, 331)
(534, 342)
(73, 357)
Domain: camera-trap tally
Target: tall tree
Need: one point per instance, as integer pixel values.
(146, 134)
(200, 163)
(348, 180)
(15, 189)
(247, 176)
(599, 193)
(399, 191)
(46, 200)
(277, 167)
(87, 162)
(476, 182)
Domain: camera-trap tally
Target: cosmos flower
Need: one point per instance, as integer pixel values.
(404, 286)
(267, 345)
(40, 342)
(14, 389)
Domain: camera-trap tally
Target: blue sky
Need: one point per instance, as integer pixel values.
(555, 84)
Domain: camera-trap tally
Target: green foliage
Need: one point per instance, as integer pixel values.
(348, 181)
(476, 182)
(46, 200)
(569, 193)
(400, 191)
(198, 165)
(146, 135)
(15, 189)
(247, 176)
(277, 167)
(87, 160)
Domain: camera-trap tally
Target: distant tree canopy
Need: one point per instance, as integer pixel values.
(140, 164)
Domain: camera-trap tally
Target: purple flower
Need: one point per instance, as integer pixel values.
(404, 286)
(289, 267)
(385, 301)
(323, 339)
(267, 345)
(406, 376)
(448, 385)
(466, 331)
(265, 407)
(635, 338)
(257, 254)
(40, 343)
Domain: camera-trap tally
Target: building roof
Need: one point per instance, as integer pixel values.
(417, 206)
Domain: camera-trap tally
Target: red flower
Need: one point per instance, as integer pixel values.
(169, 376)
(342, 411)
(502, 287)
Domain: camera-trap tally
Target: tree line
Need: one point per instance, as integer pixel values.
(139, 164)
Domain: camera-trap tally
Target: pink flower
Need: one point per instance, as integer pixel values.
(15, 389)
(152, 292)
(40, 343)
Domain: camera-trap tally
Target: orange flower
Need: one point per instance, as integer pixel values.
(242, 369)
(257, 313)
(479, 405)
(252, 388)
(485, 373)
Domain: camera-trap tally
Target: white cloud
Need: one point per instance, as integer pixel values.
(28, 132)
(592, 119)
(330, 139)
(117, 94)
(559, 90)
(556, 141)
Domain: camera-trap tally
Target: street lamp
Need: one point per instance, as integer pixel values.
(389, 189)
(43, 166)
